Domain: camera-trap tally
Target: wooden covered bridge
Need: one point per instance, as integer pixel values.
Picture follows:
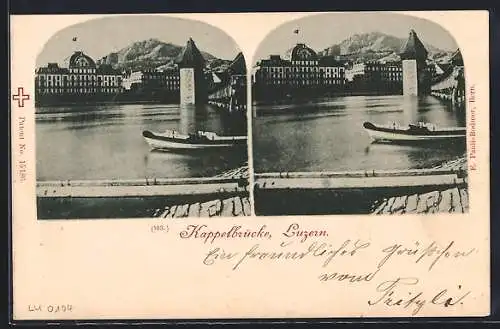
(230, 89)
(450, 85)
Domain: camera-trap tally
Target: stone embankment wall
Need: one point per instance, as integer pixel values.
(237, 173)
(449, 200)
(229, 207)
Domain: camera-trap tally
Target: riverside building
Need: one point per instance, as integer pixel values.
(374, 77)
(81, 80)
(301, 71)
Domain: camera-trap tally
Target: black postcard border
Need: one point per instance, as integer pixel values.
(25, 7)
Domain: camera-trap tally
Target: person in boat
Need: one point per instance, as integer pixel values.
(194, 136)
(393, 125)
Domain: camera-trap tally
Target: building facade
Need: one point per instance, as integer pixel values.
(151, 85)
(167, 80)
(81, 80)
(374, 77)
(302, 71)
(305, 73)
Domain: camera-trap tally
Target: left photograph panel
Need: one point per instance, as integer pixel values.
(141, 116)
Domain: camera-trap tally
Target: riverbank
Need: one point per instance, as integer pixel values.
(453, 199)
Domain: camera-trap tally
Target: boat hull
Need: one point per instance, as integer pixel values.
(385, 134)
(159, 142)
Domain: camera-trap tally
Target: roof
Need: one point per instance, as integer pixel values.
(238, 65)
(190, 56)
(107, 69)
(413, 48)
(170, 70)
(457, 59)
(442, 67)
(80, 60)
(301, 52)
(274, 60)
(216, 78)
(329, 61)
(52, 68)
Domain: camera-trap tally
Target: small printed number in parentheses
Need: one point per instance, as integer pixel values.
(159, 228)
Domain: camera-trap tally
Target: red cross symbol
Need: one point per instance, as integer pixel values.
(20, 97)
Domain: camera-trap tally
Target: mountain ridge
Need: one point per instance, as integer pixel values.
(151, 54)
(376, 45)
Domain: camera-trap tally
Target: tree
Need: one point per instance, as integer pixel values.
(335, 50)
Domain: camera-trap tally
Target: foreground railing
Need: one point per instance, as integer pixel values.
(141, 187)
(273, 181)
(360, 179)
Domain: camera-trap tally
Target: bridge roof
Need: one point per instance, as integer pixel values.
(457, 59)
(238, 65)
(190, 56)
(413, 48)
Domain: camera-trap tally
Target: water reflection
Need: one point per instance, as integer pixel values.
(331, 136)
(97, 142)
(187, 123)
(213, 161)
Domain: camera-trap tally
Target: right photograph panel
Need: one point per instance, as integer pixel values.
(359, 113)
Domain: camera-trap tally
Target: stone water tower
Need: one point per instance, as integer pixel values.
(416, 80)
(193, 87)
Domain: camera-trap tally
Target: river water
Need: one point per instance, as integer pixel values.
(105, 142)
(329, 135)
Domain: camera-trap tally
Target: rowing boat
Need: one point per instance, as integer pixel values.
(172, 139)
(413, 133)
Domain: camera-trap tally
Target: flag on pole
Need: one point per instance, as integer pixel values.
(296, 31)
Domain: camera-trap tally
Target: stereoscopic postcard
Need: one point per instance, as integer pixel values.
(252, 165)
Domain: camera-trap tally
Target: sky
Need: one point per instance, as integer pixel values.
(323, 30)
(99, 37)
